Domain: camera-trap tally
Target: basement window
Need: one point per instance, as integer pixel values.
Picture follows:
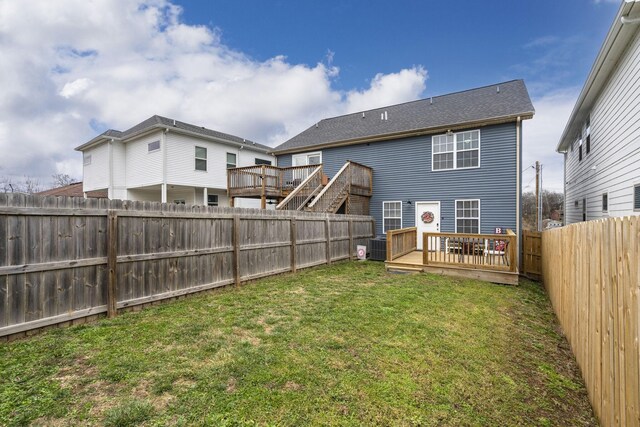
(468, 216)
(212, 200)
(391, 216)
(201, 159)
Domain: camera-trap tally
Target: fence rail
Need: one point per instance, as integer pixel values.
(69, 258)
(590, 271)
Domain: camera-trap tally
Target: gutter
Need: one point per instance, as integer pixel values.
(406, 134)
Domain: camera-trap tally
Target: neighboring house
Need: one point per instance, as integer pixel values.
(448, 163)
(165, 160)
(73, 190)
(601, 141)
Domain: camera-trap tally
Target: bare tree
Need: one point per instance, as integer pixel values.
(27, 185)
(551, 201)
(61, 180)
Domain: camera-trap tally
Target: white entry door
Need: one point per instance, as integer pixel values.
(427, 220)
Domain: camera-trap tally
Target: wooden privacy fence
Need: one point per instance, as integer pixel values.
(69, 258)
(590, 271)
(532, 254)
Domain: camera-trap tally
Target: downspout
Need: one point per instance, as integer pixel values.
(110, 188)
(518, 189)
(163, 187)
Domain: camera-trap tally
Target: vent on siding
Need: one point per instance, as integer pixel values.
(636, 197)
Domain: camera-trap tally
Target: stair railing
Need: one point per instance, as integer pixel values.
(337, 188)
(300, 196)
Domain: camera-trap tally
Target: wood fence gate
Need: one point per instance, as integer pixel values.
(532, 254)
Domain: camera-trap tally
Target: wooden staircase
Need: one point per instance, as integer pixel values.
(312, 196)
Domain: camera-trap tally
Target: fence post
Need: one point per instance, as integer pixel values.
(263, 198)
(112, 261)
(328, 234)
(293, 245)
(350, 239)
(236, 249)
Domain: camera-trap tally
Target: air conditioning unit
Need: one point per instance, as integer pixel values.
(378, 248)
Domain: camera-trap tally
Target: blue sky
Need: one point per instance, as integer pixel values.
(549, 43)
(266, 70)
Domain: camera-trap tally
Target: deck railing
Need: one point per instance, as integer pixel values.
(474, 251)
(401, 242)
(352, 178)
(304, 192)
(266, 180)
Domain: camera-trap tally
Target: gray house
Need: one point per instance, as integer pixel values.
(449, 163)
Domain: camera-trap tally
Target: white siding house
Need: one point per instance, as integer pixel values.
(601, 142)
(164, 160)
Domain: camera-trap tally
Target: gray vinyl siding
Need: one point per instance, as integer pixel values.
(613, 165)
(402, 171)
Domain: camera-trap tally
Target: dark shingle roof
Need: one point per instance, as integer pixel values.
(159, 121)
(73, 190)
(474, 105)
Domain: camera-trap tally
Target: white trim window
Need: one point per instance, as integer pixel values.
(201, 159)
(460, 150)
(391, 216)
(154, 146)
(468, 216)
(306, 159)
(86, 160)
(232, 160)
(212, 200)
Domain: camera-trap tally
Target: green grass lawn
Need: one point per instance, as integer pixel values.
(348, 344)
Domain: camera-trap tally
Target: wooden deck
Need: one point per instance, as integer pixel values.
(413, 262)
(489, 257)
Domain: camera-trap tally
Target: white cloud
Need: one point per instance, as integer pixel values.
(541, 136)
(69, 63)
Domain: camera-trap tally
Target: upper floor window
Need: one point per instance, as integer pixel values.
(468, 216)
(458, 150)
(201, 158)
(305, 159)
(232, 161)
(587, 132)
(391, 216)
(87, 159)
(262, 161)
(580, 150)
(153, 146)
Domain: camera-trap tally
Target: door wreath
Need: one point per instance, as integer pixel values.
(427, 217)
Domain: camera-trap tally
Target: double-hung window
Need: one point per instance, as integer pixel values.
(232, 161)
(468, 216)
(459, 150)
(391, 216)
(201, 158)
(212, 200)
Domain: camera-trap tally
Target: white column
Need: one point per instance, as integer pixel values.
(204, 197)
(164, 193)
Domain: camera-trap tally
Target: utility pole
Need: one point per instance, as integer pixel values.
(538, 196)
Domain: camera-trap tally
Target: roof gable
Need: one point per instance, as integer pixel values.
(159, 122)
(508, 99)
